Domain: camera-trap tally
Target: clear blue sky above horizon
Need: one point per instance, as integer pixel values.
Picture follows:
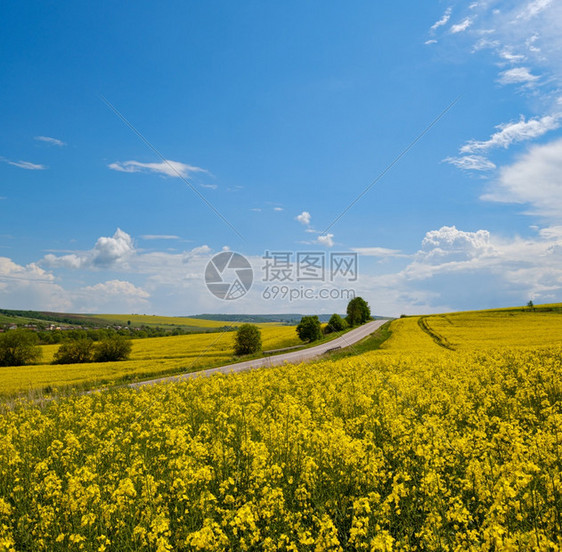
(280, 115)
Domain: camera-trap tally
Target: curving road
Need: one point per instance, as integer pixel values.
(295, 357)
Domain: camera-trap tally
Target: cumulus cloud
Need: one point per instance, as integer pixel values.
(535, 178)
(326, 240)
(30, 287)
(168, 167)
(107, 252)
(304, 218)
(451, 243)
(466, 269)
(50, 141)
(24, 164)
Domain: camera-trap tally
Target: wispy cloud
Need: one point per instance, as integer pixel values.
(159, 237)
(509, 133)
(377, 252)
(534, 8)
(462, 26)
(471, 163)
(24, 164)
(174, 169)
(517, 75)
(443, 20)
(51, 141)
(278, 209)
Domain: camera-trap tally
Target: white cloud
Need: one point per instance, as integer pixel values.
(159, 237)
(517, 75)
(106, 253)
(470, 269)
(443, 20)
(462, 26)
(471, 163)
(534, 8)
(377, 252)
(167, 168)
(431, 41)
(451, 243)
(510, 133)
(30, 287)
(524, 34)
(278, 209)
(49, 140)
(304, 218)
(535, 178)
(118, 287)
(24, 165)
(326, 240)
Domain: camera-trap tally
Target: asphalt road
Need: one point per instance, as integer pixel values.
(293, 357)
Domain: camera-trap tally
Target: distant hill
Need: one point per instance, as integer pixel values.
(289, 319)
(196, 323)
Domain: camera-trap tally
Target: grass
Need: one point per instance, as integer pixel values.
(372, 342)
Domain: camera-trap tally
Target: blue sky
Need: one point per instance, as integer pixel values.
(269, 111)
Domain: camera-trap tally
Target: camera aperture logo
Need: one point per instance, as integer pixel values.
(229, 275)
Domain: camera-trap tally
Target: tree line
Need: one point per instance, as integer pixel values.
(20, 347)
(247, 340)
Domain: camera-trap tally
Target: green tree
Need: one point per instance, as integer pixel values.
(530, 304)
(358, 312)
(18, 347)
(335, 324)
(113, 348)
(309, 328)
(75, 352)
(247, 340)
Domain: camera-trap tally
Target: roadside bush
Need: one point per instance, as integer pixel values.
(75, 352)
(335, 324)
(309, 328)
(114, 348)
(18, 347)
(247, 340)
(358, 312)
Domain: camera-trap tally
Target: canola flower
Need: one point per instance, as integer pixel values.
(150, 357)
(440, 451)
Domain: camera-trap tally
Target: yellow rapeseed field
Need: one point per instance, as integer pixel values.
(152, 320)
(475, 330)
(443, 440)
(434, 452)
(150, 357)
